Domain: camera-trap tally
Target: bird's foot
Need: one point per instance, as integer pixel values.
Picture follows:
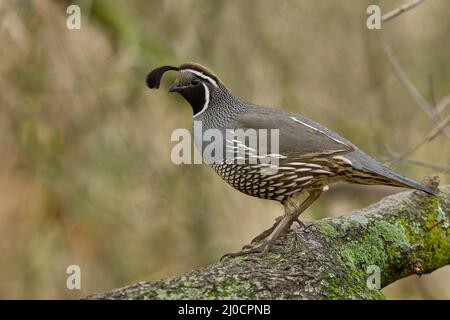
(267, 232)
(258, 248)
(263, 242)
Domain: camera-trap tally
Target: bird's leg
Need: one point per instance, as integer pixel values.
(263, 234)
(267, 232)
(292, 212)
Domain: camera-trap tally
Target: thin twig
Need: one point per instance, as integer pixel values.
(434, 133)
(443, 169)
(430, 136)
(396, 12)
(432, 110)
(420, 101)
(442, 104)
(432, 97)
(445, 219)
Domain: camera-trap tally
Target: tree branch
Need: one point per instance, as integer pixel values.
(398, 11)
(407, 233)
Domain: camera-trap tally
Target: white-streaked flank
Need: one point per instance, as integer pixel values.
(344, 159)
(302, 169)
(304, 178)
(321, 171)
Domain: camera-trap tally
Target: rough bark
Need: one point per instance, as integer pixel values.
(404, 234)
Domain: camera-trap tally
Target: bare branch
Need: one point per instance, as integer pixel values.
(432, 96)
(396, 12)
(430, 136)
(435, 132)
(442, 169)
(420, 101)
(397, 157)
(432, 110)
(442, 104)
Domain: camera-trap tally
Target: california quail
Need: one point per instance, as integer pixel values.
(310, 156)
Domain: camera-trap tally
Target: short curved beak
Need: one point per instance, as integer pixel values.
(173, 87)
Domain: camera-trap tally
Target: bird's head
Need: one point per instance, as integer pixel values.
(196, 83)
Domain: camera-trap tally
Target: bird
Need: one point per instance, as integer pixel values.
(310, 157)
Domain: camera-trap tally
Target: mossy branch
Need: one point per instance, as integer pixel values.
(404, 234)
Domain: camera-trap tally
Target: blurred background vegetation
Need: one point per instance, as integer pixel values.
(85, 170)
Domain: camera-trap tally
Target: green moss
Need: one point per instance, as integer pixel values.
(375, 247)
(234, 289)
(390, 232)
(432, 237)
(238, 259)
(441, 217)
(327, 229)
(352, 285)
(273, 259)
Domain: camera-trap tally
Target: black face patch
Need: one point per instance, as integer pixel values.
(195, 95)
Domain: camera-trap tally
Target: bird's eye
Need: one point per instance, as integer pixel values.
(194, 82)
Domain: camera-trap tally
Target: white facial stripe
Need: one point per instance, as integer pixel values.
(205, 106)
(318, 130)
(201, 75)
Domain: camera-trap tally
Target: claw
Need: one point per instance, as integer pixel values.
(259, 249)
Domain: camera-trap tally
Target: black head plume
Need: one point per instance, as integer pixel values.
(154, 77)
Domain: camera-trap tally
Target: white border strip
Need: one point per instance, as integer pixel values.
(201, 75)
(316, 129)
(205, 106)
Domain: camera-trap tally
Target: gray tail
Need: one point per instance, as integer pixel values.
(409, 183)
(388, 176)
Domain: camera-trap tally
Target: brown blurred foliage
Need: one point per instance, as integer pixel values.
(85, 170)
